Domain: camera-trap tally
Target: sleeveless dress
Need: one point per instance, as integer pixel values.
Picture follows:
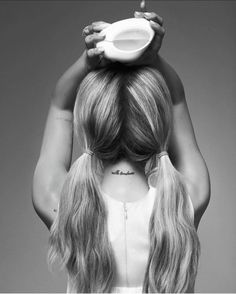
(128, 225)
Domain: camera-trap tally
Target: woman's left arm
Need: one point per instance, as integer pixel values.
(56, 150)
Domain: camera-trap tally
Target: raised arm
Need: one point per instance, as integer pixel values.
(183, 149)
(56, 151)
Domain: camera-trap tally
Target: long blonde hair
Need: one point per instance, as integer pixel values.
(124, 112)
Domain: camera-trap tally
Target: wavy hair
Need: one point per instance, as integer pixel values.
(124, 112)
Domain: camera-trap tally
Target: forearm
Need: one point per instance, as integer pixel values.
(58, 132)
(64, 93)
(182, 140)
(172, 79)
(183, 148)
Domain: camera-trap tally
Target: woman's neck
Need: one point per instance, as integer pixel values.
(124, 176)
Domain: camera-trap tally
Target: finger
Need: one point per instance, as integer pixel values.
(96, 26)
(158, 37)
(153, 16)
(159, 30)
(138, 14)
(104, 62)
(85, 32)
(102, 23)
(99, 28)
(91, 40)
(98, 22)
(149, 16)
(95, 52)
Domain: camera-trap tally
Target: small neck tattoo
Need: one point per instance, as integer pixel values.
(121, 173)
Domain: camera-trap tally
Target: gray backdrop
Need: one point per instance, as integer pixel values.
(39, 40)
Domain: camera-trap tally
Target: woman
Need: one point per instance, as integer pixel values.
(124, 216)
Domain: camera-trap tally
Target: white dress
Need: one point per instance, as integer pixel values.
(128, 224)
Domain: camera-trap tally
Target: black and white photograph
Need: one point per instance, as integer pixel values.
(118, 146)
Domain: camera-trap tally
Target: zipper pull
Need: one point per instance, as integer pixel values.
(125, 211)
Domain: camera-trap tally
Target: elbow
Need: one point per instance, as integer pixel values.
(43, 202)
(44, 209)
(205, 186)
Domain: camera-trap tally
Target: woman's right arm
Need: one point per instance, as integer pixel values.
(183, 148)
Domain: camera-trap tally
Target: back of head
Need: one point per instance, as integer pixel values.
(124, 113)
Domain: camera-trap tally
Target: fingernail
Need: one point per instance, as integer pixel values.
(100, 49)
(147, 13)
(152, 22)
(136, 12)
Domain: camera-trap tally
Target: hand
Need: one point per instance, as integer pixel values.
(151, 53)
(94, 56)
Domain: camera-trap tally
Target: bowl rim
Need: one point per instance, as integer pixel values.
(150, 32)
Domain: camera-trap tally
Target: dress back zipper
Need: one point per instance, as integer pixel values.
(125, 237)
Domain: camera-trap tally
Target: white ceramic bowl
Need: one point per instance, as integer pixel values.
(127, 39)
